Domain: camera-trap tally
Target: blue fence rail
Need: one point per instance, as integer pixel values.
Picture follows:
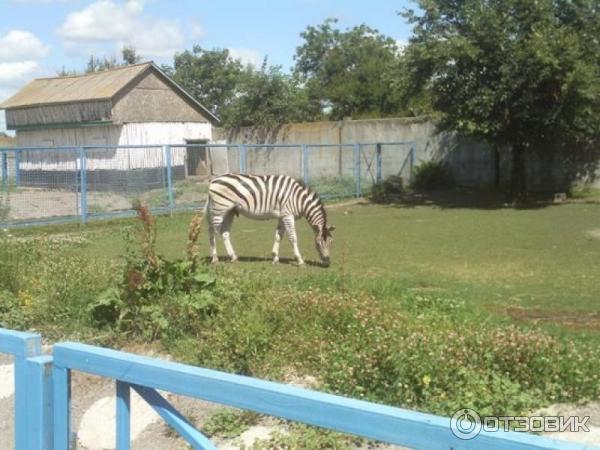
(52, 185)
(43, 419)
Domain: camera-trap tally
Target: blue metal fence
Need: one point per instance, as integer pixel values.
(51, 185)
(43, 419)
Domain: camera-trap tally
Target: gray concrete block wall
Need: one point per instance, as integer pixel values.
(470, 162)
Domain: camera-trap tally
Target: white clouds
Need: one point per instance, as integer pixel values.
(20, 52)
(19, 45)
(247, 55)
(125, 23)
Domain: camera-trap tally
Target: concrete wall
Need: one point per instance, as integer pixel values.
(471, 163)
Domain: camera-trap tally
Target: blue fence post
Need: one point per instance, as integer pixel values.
(243, 155)
(378, 175)
(305, 154)
(17, 168)
(25, 345)
(123, 416)
(411, 163)
(83, 184)
(357, 151)
(167, 156)
(61, 390)
(39, 403)
(4, 170)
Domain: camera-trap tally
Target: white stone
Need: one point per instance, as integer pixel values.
(250, 436)
(97, 430)
(7, 380)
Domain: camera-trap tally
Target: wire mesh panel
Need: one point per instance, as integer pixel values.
(116, 177)
(273, 160)
(193, 165)
(397, 159)
(39, 184)
(331, 170)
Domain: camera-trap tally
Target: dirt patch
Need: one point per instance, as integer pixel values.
(595, 233)
(574, 320)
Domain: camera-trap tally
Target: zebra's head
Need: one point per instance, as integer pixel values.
(323, 241)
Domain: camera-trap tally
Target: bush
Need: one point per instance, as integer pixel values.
(432, 175)
(156, 295)
(388, 190)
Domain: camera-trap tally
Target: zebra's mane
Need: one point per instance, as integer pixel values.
(320, 202)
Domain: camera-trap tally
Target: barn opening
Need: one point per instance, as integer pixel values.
(198, 158)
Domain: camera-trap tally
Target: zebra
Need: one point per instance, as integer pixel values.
(265, 197)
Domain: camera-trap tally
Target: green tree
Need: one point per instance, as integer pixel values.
(210, 76)
(267, 97)
(240, 95)
(97, 64)
(523, 75)
(349, 73)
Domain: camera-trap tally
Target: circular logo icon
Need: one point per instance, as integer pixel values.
(465, 424)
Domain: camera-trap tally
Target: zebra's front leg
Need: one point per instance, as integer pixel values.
(225, 233)
(290, 229)
(279, 232)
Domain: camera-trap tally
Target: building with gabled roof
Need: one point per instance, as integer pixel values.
(130, 105)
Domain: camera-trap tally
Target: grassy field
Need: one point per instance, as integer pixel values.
(538, 263)
(436, 303)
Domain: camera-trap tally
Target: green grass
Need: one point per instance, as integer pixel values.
(543, 258)
(416, 310)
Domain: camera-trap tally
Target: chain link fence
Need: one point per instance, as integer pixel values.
(51, 185)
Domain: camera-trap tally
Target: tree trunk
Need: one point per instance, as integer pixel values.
(518, 175)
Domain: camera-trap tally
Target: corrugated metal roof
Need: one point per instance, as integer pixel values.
(80, 88)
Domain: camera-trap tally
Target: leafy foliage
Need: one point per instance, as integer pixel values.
(351, 73)
(388, 190)
(229, 423)
(155, 295)
(431, 175)
(523, 75)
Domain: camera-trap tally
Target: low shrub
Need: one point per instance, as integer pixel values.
(388, 190)
(432, 175)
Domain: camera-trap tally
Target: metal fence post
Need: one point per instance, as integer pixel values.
(357, 151)
(243, 155)
(17, 168)
(305, 169)
(167, 156)
(39, 403)
(4, 171)
(123, 416)
(378, 163)
(83, 184)
(411, 163)
(61, 393)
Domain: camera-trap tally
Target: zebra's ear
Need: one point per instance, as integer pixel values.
(330, 228)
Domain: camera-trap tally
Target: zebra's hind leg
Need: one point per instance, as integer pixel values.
(225, 233)
(290, 229)
(214, 223)
(279, 232)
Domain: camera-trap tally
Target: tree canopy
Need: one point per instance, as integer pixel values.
(521, 74)
(349, 73)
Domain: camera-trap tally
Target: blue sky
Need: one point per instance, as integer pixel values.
(39, 37)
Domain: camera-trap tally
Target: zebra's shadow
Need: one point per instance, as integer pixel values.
(282, 260)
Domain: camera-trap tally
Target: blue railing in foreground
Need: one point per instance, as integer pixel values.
(32, 417)
(145, 375)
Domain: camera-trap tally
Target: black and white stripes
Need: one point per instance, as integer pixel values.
(266, 197)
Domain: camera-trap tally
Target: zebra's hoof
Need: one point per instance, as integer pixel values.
(214, 260)
(300, 264)
(275, 260)
(233, 258)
